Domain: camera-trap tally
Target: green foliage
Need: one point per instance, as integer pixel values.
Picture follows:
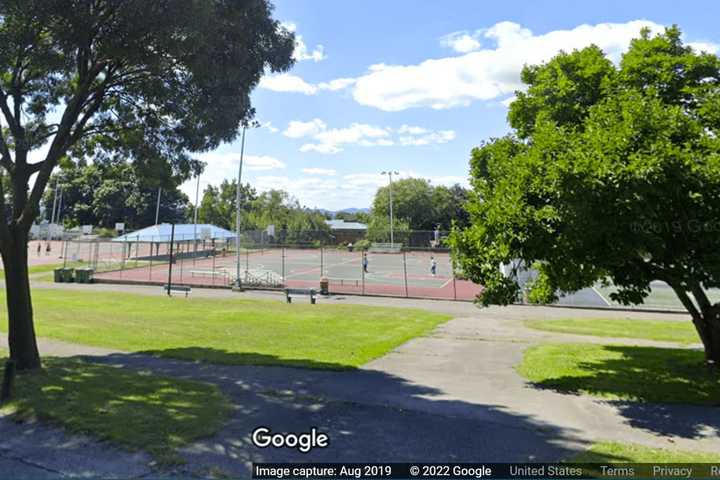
(230, 331)
(646, 374)
(293, 223)
(134, 410)
(104, 193)
(379, 229)
(422, 205)
(612, 172)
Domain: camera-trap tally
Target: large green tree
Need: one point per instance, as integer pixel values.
(612, 172)
(423, 205)
(146, 81)
(104, 193)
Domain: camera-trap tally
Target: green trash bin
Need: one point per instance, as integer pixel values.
(84, 275)
(68, 275)
(59, 275)
(81, 275)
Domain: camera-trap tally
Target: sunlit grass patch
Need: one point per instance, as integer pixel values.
(660, 330)
(663, 375)
(614, 452)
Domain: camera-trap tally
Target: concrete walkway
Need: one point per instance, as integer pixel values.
(450, 396)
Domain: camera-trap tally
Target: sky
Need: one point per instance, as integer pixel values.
(411, 86)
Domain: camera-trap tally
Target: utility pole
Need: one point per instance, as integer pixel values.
(157, 209)
(195, 216)
(238, 281)
(390, 173)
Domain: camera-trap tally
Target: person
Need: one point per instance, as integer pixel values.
(48, 248)
(365, 263)
(433, 266)
(39, 248)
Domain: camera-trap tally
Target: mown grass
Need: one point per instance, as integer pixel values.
(614, 452)
(228, 331)
(660, 330)
(646, 374)
(134, 410)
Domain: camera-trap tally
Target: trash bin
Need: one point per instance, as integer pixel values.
(68, 275)
(324, 286)
(83, 275)
(59, 275)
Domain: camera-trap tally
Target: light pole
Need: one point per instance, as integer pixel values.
(237, 211)
(195, 216)
(390, 173)
(157, 209)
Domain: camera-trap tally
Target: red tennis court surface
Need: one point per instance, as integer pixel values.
(404, 275)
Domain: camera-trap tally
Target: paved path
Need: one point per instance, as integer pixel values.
(452, 395)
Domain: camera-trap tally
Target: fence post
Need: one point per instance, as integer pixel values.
(247, 260)
(454, 287)
(405, 272)
(362, 269)
(151, 259)
(65, 256)
(213, 267)
(283, 266)
(322, 262)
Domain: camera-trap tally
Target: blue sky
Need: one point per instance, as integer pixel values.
(412, 86)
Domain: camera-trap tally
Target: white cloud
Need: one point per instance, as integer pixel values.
(442, 136)
(333, 140)
(487, 73)
(708, 47)
(298, 129)
(301, 51)
(284, 82)
(320, 171)
(337, 84)
(263, 162)
(462, 42)
(268, 125)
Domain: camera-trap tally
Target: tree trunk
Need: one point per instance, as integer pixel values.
(711, 334)
(21, 331)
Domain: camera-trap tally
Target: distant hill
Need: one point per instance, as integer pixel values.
(351, 211)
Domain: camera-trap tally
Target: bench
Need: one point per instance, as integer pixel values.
(386, 248)
(308, 292)
(178, 288)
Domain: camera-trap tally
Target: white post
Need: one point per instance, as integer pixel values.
(52, 215)
(237, 210)
(157, 209)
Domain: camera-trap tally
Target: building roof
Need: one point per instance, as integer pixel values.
(183, 232)
(343, 225)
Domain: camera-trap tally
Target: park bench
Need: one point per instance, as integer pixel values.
(186, 289)
(385, 248)
(308, 292)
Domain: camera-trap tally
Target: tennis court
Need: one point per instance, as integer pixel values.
(406, 274)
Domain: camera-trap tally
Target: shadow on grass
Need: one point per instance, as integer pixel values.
(136, 410)
(646, 374)
(643, 383)
(369, 415)
(224, 357)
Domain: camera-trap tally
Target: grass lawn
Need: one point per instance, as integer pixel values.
(612, 452)
(231, 331)
(137, 411)
(661, 330)
(663, 375)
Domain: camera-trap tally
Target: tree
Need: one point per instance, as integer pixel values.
(149, 82)
(423, 205)
(217, 206)
(104, 193)
(612, 173)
